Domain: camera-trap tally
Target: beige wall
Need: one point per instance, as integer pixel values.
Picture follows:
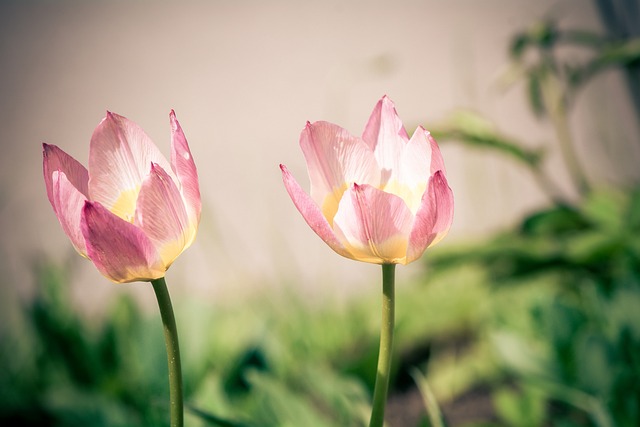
(244, 77)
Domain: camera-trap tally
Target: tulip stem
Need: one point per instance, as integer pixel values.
(173, 352)
(386, 345)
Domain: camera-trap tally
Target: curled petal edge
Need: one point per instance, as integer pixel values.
(55, 159)
(68, 203)
(312, 213)
(184, 167)
(433, 219)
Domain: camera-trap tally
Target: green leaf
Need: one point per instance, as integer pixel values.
(606, 209)
(429, 399)
(582, 38)
(215, 420)
(518, 44)
(618, 54)
(474, 130)
(555, 221)
(520, 408)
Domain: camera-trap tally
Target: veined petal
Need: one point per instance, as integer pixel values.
(311, 213)
(373, 225)
(184, 167)
(335, 159)
(54, 159)
(119, 157)
(67, 204)
(386, 136)
(120, 250)
(434, 217)
(161, 214)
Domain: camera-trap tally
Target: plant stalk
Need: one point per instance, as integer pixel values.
(173, 352)
(386, 345)
(557, 110)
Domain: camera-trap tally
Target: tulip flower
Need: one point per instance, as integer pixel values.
(382, 198)
(132, 213)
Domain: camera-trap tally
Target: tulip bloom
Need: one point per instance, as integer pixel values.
(382, 198)
(131, 213)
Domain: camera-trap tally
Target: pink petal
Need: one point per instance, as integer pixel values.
(375, 224)
(434, 218)
(68, 203)
(437, 162)
(311, 213)
(54, 159)
(384, 124)
(386, 136)
(120, 250)
(161, 214)
(119, 158)
(335, 159)
(416, 158)
(184, 167)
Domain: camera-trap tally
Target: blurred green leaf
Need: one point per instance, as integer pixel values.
(632, 217)
(606, 209)
(555, 221)
(518, 44)
(534, 92)
(430, 402)
(518, 355)
(520, 408)
(472, 129)
(576, 37)
(235, 378)
(617, 54)
(214, 420)
(542, 35)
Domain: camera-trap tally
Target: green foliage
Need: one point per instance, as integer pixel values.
(63, 371)
(519, 408)
(571, 350)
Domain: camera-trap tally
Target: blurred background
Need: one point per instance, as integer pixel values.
(527, 314)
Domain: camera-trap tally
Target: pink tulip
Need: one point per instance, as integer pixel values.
(131, 213)
(382, 198)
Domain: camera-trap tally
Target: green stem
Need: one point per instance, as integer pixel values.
(561, 124)
(386, 345)
(173, 351)
(555, 103)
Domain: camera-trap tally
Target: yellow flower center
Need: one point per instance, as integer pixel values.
(331, 201)
(412, 196)
(125, 206)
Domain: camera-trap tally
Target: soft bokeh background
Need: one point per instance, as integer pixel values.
(243, 78)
